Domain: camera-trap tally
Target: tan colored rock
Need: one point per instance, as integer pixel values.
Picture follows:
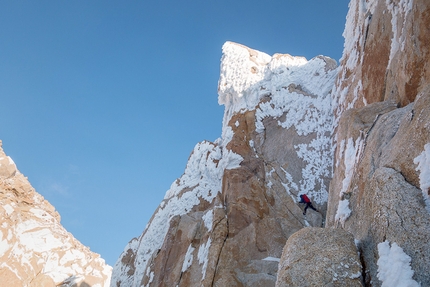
(35, 250)
(386, 55)
(382, 108)
(226, 220)
(384, 192)
(319, 257)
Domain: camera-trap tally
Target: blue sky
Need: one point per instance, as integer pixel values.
(103, 101)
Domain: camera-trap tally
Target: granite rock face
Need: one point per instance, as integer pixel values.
(289, 123)
(320, 257)
(380, 186)
(35, 250)
(381, 183)
(386, 53)
(226, 220)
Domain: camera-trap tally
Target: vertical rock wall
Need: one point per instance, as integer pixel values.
(386, 53)
(381, 104)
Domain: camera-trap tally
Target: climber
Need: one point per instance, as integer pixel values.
(305, 199)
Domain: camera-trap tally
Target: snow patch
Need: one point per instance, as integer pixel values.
(227, 135)
(188, 260)
(40, 213)
(208, 220)
(203, 256)
(423, 167)
(351, 33)
(316, 155)
(241, 68)
(272, 259)
(4, 245)
(398, 11)
(394, 266)
(343, 211)
(351, 153)
(40, 240)
(8, 208)
(289, 185)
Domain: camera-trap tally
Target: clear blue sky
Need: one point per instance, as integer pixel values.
(103, 101)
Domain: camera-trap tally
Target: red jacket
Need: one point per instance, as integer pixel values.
(305, 198)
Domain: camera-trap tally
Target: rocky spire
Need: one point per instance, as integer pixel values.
(226, 220)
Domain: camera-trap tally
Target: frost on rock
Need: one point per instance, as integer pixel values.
(349, 89)
(423, 162)
(188, 260)
(203, 256)
(343, 211)
(295, 91)
(241, 69)
(300, 99)
(394, 266)
(398, 11)
(358, 19)
(351, 154)
(202, 179)
(208, 219)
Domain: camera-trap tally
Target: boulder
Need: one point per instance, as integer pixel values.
(320, 257)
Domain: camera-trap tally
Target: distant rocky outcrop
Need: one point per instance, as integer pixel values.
(226, 220)
(355, 139)
(35, 250)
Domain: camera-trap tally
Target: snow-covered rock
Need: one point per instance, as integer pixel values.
(289, 123)
(237, 202)
(35, 250)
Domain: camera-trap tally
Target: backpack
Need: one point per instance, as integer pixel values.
(304, 198)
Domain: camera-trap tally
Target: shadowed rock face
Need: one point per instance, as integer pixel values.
(226, 220)
(382, 133)
(35, 250)
(320, 257)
